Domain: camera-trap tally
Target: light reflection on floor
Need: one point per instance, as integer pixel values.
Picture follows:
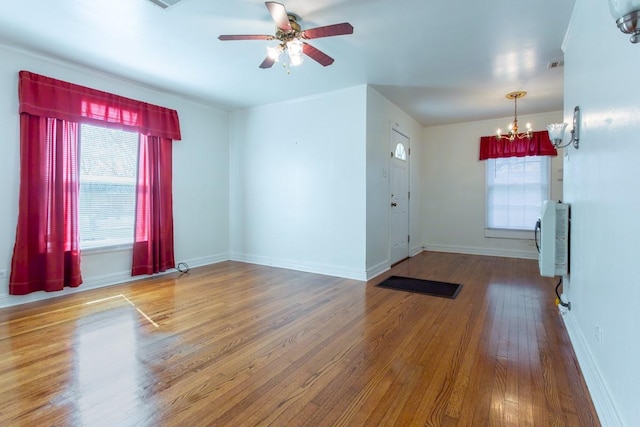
(128, 301)
(107, 373)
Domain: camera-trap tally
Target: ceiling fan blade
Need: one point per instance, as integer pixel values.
(226, 37)
(279, 15)
(317, 55)
(328, 31)
(268, 62)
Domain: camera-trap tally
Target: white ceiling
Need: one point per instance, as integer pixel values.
(440, 61)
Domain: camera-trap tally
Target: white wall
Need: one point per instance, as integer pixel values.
(453, 188)
(601, 184)
(298, 189)
(200, 173)
(382, 116)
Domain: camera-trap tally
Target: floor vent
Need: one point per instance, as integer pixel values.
(165, 3)
(555, 64)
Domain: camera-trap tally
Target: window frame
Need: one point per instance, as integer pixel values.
(111, 245)
(512, 233)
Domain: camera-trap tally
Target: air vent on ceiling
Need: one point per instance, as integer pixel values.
(555, 64)
(165, 3)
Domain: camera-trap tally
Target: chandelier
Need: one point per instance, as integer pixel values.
(513, 126)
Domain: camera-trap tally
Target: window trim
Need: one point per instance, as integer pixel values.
(515, 234)
(111, 244)
(501, 233)
(107, 248)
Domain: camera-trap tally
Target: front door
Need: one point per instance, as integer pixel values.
(399, 198)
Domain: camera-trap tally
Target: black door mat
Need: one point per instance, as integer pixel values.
(427, 287)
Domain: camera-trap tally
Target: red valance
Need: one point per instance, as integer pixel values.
(538, 145)
(46, 97)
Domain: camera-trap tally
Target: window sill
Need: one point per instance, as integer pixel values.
(104, 249)
(498, 233)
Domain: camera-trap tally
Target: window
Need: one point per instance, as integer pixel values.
(401, 152)
(515, 190)
(108, 165)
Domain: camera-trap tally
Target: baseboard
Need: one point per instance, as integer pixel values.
(385, 265)
(206, 260)
(88, 283)
(327, 270)
(97, 282)
(504, 253)
(378, 269)
(600, 395)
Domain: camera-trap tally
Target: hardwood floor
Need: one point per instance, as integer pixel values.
(238, 344)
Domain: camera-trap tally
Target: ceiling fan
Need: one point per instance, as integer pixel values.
(292, 38)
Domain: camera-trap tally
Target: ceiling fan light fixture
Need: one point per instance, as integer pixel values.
(295, 47)
(295, 59)
(291, 36)
(274, 52)
(295, 51)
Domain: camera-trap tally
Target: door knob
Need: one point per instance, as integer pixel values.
(394, 204)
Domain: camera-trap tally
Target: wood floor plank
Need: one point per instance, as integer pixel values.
(236, 344)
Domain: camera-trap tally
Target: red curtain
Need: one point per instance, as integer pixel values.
(153, 242)
(46, 97)
(46, 254)
(494, 148)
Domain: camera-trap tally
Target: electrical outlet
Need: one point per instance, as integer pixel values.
(3, 274)
(598, 333)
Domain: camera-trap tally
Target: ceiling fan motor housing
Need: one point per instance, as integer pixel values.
(293, 33)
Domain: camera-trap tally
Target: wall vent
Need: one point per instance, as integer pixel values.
(555, 64)
(164, 3)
